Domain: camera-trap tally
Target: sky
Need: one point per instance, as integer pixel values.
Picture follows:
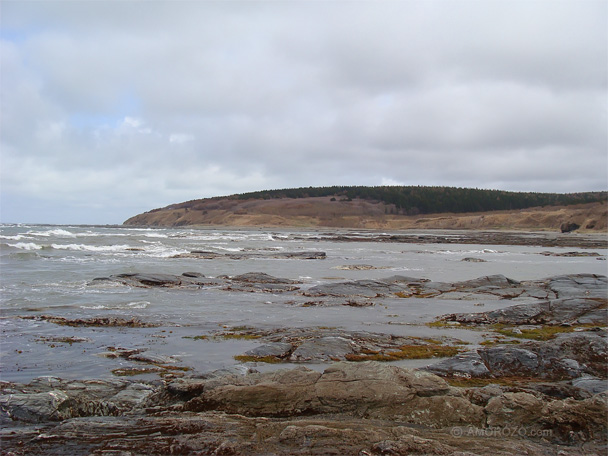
(110, 108)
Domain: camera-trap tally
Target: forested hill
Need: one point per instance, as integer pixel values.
(413, 200)
(387, 208)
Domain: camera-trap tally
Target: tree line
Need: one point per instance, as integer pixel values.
(412, 200)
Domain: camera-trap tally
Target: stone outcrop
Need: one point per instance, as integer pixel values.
(349, 409)
(206, 255)
(568, 356)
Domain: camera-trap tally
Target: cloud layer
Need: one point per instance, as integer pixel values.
(114, 108)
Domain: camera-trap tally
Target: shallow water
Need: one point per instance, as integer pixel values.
(47, 270)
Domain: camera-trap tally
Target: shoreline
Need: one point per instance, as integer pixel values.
(537, 384)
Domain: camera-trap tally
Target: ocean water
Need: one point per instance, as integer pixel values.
(49, 270)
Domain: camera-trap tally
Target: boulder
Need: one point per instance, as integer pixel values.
(567, 227)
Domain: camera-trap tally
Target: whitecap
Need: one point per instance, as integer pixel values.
(26, 246)
(155, 235)
(17, 237)
(55, 232)
(91, 248)
(229, 249)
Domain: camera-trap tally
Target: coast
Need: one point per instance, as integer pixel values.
(340, 342)
(537, 384)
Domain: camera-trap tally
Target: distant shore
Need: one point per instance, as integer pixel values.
(361, 214)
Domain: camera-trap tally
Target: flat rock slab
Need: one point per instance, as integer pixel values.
(275, 350)
(204, 255)
(349, 409)
(568, 356)
(323, 349)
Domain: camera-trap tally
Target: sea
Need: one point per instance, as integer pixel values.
(49, 271)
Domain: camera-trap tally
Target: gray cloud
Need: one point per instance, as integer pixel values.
(113, 108)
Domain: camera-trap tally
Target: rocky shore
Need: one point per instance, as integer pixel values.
(536, 385)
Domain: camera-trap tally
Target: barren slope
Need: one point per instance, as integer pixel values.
(323, 212)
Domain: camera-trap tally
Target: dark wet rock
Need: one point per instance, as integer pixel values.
(405, 280)
(544, 239)
(323, 349)
(567, 227)
(316, 345)
(260, 287)
(151, 358)
(593, 385)
(94, 321)
(366, 288)
(574, 311)
(259, 282)
(580, 285)
(581, 300)
(196, 275)
(261, 277)
(53, 399)
(568, 356)
(36, 407)
(497, 281)
(571, 254)
(519, 314)
(510, 361)
(157, 280)
(358, 267)
(468, 364)
(585, 352)
(249, 282)
(275, 350)
(206, 255)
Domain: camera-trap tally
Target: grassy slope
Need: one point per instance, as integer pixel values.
(322, 212)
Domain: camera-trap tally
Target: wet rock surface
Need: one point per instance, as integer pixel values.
(480, 237)
(206, 255)
(349, 408)
(539, 386)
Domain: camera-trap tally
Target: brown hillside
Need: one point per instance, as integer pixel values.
(323, 212)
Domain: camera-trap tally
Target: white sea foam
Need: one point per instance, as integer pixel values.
(18, 237)
(130, 305)
(55, 232)
(156, 235)
(466, 252)
(229, 249)
(26, 246)
(91, 248)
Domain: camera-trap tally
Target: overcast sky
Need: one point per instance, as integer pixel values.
(112, 108)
